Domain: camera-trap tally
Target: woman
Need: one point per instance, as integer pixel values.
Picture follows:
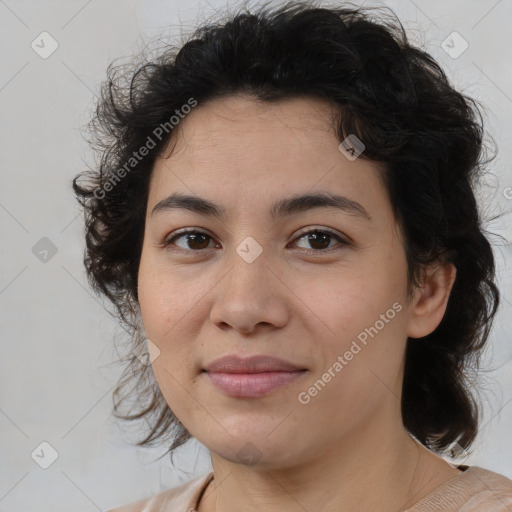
(284, 216)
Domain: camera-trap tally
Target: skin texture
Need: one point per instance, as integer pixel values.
(346, 449)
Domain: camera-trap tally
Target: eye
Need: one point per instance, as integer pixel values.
(320, 240)
(196, 240)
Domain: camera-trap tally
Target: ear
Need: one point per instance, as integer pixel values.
(430, 299)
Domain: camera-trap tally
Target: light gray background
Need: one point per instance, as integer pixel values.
(56, 371)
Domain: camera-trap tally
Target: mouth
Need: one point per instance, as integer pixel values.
(252, 385)
(251, 377)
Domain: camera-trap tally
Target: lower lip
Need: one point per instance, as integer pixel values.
(252, 385)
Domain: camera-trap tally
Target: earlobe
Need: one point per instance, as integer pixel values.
(431, 299)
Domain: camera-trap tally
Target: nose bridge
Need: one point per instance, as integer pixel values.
(249, 292)
(249, 262)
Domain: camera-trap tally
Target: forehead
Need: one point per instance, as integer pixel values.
(230, 122)
(233, 145)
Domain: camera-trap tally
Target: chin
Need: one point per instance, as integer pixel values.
(252, 446)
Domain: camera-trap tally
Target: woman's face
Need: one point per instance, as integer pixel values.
(255, 282)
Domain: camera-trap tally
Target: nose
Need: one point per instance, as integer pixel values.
(250, 294)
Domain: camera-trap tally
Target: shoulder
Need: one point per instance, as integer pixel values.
(182, 497)
(491, 492)
(474, 490)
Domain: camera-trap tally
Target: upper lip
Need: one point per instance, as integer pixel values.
(253, 364)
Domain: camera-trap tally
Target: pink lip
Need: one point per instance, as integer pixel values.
(251, 377)
(252, 385)
(253, 364)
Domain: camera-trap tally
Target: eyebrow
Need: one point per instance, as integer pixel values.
(281, 208)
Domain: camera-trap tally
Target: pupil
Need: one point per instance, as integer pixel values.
(315, 237)
(193, 238)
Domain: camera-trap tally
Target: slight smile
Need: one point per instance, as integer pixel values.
(251, 377)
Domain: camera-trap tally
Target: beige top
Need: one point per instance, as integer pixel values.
(474, 490)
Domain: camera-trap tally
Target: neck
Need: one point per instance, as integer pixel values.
(364, 470)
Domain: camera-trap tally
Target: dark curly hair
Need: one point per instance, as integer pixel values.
(393, 96)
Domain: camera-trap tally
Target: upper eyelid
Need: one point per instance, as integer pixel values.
(301, 232)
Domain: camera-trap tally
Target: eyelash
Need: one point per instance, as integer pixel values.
(168, 242)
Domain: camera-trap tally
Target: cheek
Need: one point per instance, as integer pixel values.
(171, 309)
(359, 315)
(165, 298)
(346, 301)
(161, 310)
(174, 381)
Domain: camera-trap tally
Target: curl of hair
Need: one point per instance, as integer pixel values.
(394, 97)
